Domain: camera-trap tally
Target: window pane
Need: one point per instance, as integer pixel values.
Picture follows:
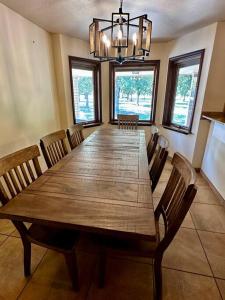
(83, 95)
(133, 93)
(185, 95)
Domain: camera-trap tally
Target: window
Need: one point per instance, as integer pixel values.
(133, 90)
(181, 92)
(85, 77)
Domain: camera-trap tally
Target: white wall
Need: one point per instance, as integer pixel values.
(186, 144)
(214, 157)
(28, 106)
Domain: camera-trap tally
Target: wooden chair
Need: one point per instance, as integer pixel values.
(159, 161)
(18, 171)
(75, 135)
(173, 207)
(128, 121)
(152, 143)
(53, 147)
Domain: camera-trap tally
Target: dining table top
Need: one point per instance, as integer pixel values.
(101, 186)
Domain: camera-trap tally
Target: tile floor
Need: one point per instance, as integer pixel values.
(193, 265)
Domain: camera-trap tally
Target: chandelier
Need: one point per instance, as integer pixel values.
(121, 38)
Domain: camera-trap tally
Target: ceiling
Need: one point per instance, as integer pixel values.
(171, 18)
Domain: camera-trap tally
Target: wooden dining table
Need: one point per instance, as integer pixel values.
(101, 186)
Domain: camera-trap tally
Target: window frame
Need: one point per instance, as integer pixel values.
(95, 66)
(148, 63)
(175, 63)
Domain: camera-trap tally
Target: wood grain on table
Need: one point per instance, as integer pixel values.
(101, 186)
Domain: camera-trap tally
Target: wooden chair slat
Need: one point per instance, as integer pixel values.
(37, 166)
(159, 161)
(75, 135)
(152, 144)
(14, 182)
(127, 122)
(9, 185)
(61, 149)
(19, 177)
(25, 174)
(30, 170)
(53, 147)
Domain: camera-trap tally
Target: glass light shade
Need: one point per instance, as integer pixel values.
(144, 35)
(120, 30)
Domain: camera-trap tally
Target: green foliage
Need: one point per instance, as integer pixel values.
(130, 85)
(184, 85)
(85, 87)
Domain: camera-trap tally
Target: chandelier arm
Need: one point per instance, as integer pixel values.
(102, 20)
(145, 16)
(109, 27)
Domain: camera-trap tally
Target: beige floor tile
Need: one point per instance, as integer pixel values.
(186, 286)
(200, 181)
(11, 265)
(208, 217)
(15, 233)
(207, 196)
(51, 280)
(214, 245)
(188, 222)
(125, 280)
(185, 253)
(6, 227)
(221, 284)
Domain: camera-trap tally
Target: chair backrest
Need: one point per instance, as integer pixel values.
(75, 135)
(54, 147)
(176, 200)
(159, 161)
(17, 171)
(152, 143)
(127, 121)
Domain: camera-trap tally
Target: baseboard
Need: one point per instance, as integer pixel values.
(220, 197)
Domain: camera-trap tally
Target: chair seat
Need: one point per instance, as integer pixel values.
(53, 238)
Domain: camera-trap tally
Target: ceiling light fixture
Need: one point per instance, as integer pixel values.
(124, 39)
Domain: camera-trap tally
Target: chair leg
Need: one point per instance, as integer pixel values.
(27, 257)
(71, 261)
(157, 279)
(102, 269)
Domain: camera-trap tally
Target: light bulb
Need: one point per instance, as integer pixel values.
(135, 39)
(104, 38)
(120, 34)
(107, 43)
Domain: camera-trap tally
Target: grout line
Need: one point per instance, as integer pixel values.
(209, 264)
(189, 272)
(31, 276)
(4, 240)
(204, 229)
(219, 205)
(210, 231)
(197, 202)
